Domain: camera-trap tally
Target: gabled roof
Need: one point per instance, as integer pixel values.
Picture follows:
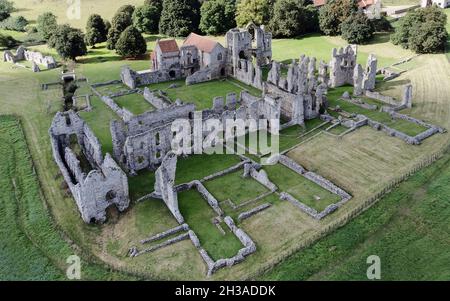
(202, 43)
(167, 46)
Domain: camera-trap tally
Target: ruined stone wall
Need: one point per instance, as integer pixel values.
(134, 79)
(342, 66)
(247, 73)
(156, 101)
(105, 185)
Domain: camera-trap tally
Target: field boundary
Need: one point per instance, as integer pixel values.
(362, 207)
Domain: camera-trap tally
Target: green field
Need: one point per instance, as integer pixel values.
(135, 103)
(408, 229)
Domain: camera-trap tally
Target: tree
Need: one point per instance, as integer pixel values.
(6, 7)
(357, 28)
(293, 18)
(7, 41)
(14, 23)
(217, 16)
(146, 18)
(127, 9)
(382, 24)
(256, 11)
(131, 43)
(332, 14)
(156, 3)
(119, 23)
(107, 27)
(179, 17)
(46, 24)
(68, 42)
(422, 30)
(95, 30)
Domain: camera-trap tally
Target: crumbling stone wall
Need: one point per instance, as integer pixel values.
(32, 56)
(105, 185)
(134, 79)
(248, 73)
(155, 100)
(342, 66)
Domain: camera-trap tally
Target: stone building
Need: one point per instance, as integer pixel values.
(342, 66)
(95, 181)
(439, 3)
(166, 57)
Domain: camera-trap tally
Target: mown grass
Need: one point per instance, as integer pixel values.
(301, 188)
(244, 189)
(408, 229)
(31, 246)
(135, 103)
(199, 215)
(202, 94)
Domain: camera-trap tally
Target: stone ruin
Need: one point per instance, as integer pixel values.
(143, 141)
(365, 80)
(35, 57)
(302, 93)
(342, 65)
(96, 182)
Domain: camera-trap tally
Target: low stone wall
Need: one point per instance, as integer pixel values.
(124, 92)
(383, 98)
(134, 252)
(164, 234)
(201, 76)
(212, 201)
(291, 164)
(229, 170)
(256, 210)
(108, 83)
(308, 210)
(123, 113)
(155, 100)
(392, 132)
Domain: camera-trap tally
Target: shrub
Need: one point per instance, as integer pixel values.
(217, 16)
(68, 42)
(131, 43)
(6, 7)
(146, 18)
(46, 24)
(119, 23)
(332, 14)
(14, 23)
(382, 25)
(357, 29)
(7, 41)
(95, 30)
(179, 17)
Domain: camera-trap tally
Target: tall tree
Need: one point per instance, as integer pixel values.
(217, 16)
(68, 42)
(156, 3)
(47, 24)
(131, 43)
(95, 30)
(146, 18)
(332, 14)
(256, 11)
(6, 8)
(179, 17)
(293, 18)
(357, 28)
(119, 23)
(127, 9)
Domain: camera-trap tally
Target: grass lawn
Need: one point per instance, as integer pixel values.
(244, 189)
(31, 246)
(338, 130)
(301, 188)
(135, 103)
(408, 229)
(202, 94)
(199, 215)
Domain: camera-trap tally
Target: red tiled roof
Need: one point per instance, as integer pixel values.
(320, 2)
(202, 43)
(168, 46)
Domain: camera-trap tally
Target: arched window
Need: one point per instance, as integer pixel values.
(219, 56)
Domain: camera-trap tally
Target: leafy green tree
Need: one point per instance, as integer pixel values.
(382, 24)
(332, 14)
(119, 23)
(14, 23)
(47, 24)
(68, 42)
(422, 30)
(357, 29)
(127, 9)
(146, 18)
(131, 43)
(179, 17)
(95, 30)
(293, 18)
(6, 7)
(7, 41)
(256, 11)
(217, 16)
(156, 3)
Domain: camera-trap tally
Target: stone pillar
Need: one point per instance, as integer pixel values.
(407, 96)
(358, 80)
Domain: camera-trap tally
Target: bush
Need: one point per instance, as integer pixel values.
(179, 17)
(6, 7)
(422, 30)
(47, 24)
(382, 25)
(334, 13)
(120, 22)
(256, 11)
(131, 43)
(146, 18)
(95, 30)
(217, 16)
(68, 42)
(14, 23)
(357, 29)
(7, 41)
(293, 18)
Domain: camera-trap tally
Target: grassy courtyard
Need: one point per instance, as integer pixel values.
(135, 103)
